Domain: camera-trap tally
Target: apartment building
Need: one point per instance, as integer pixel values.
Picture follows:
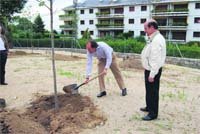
(179, 20)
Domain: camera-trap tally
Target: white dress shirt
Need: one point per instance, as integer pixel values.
(2, 45)
(154, 53)
(103, 51)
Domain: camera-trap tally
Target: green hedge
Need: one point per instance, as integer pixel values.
(59, 43)
(189, 50)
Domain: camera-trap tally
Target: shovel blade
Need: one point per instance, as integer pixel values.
(69, 89)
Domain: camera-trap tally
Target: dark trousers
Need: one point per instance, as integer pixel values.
(152, 93)
(3, 59)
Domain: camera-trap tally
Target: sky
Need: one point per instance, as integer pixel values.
(32, 9)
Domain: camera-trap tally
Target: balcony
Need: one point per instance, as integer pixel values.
(107, 26)
(67, 27)
(66, 17)
(172, 12)
(109, 15)
(173, 26)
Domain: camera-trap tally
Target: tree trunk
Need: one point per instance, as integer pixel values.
(53, 59)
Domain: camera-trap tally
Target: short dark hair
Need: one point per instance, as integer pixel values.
(93, 44)
(154, 24)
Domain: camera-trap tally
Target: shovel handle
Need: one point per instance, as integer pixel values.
(79, 86)
(95, 77)
(76, 88)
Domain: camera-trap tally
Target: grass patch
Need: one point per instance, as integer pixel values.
(198, 79)
(169, 95)
(135, 117)
(142, 129)
(164, 125)
(66, 74)
(116, 131)
(21, 69)
(171, 85)
(179, 95)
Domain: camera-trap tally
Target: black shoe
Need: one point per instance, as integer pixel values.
(148, 118)
(124, 92)
(144, 109)
(4, 84)
(101, 94)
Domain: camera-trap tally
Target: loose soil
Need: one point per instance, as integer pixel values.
(75, 113)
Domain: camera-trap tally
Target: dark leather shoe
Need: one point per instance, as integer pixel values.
(124, 92)
(101, 94)
(144, 109)
(4, 84)
(148, 118)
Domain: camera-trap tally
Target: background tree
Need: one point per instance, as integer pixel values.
(62, 32)
(86, 34)
(39, 25)
(8, 8)
(21, 27)
(55, 32)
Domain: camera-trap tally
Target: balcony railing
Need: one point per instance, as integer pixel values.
(115, 25)
(67, 16)
(173, 26)
(67, 27)
(172, 12)
(109, 15)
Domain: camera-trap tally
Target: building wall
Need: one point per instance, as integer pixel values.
(86, 17)
(192, 27)
(137, 15)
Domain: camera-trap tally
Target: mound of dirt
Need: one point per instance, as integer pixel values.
(75, 113)
(67, 57)
(20, 53)
(13, 123)
(130, 62)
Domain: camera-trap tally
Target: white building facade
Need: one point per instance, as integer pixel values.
(178, 20)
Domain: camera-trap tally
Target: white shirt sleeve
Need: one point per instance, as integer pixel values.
(89, 64)
(108, 54)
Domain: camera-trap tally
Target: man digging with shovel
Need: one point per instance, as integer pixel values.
(107, 59)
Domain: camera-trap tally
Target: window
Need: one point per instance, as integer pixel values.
(70, 22)
(82, 22)
(132, 33)
(143, 8)
(142, 33)
(197, 5)
(131, 9)
(196, 34)
(118, 10)
(82, 11)
(197, 20)
(91, 22)
(91, 11)
(91, 32)
(70, 32)
(82, 32)
(131, 21)
(142, 21)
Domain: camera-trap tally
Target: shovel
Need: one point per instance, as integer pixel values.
(73, 88)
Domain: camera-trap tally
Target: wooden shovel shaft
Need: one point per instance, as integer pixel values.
(95, 77)
(88, 81)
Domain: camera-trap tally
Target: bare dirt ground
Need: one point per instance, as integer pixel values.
(30, 102)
